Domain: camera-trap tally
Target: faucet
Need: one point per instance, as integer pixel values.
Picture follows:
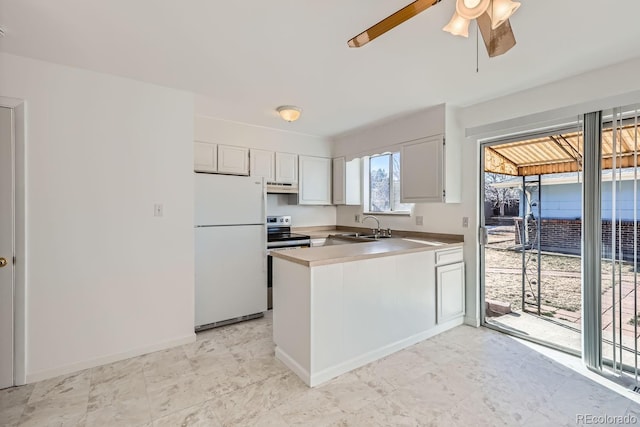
(376, 231)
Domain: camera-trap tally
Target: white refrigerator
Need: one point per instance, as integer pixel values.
(230, 249)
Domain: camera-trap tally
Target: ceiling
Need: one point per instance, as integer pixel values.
(248, 57)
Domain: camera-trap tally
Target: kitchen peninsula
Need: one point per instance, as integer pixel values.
(339, 307)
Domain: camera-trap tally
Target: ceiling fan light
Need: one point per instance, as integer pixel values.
(458, 26)
(501, 10)
(290, 113)
(471, 9)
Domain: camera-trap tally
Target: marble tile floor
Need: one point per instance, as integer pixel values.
(229, 377)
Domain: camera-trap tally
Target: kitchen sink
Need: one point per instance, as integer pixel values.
(353, 237)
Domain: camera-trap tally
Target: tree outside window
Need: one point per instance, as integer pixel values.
(384, 184)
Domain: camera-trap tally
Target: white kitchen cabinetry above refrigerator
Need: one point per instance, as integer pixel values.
(233, 160)
(314, 181)
(205, 157)
(214, 158)
(346, 182)
(230, 244)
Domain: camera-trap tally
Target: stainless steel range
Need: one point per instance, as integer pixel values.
(280, 237)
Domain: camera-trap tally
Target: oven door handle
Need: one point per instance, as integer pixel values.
(290, 244)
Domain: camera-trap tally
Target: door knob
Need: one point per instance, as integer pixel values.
(3, 262)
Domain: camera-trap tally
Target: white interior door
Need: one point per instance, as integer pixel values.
(6, 248)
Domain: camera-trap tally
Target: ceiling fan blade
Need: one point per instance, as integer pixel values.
(391, 21)
(497, 41)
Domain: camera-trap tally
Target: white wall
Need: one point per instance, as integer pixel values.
(105, 278)
(613, 86)
(436, 217)
(220, 131)
(616, 85)
(301, 215)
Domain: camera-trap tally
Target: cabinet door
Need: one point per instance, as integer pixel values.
(339, 181)
(346, 182)
(262, 164)
(422, 171)
(205, 157)
(233, 160)
(315, 181)
(352, 182)
(286, 168)
(450, 292)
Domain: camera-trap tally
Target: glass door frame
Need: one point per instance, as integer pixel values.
(567, 126)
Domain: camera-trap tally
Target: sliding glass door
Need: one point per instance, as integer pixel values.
(560, 237)
(532, 201)
(619, 258)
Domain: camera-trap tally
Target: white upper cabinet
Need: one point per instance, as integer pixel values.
(205, 157)
(346, 182)
(233, 160)
(431, 144)
(431, 167)
(263, 164)
(315, 181)
(286, 168)
(422, 171)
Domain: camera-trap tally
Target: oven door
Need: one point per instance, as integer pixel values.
(297, 245)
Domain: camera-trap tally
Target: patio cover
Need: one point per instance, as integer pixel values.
(560, 153)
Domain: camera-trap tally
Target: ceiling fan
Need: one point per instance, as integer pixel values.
(492, 16)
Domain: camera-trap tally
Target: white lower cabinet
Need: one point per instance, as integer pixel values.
(450, 294)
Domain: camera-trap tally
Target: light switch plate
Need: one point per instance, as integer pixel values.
(465, 222)
(158, 209)
(419, 220)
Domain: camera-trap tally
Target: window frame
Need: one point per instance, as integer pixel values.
(367, 205)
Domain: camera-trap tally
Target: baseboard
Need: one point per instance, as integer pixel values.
(92, 363)
(349, 365)
(314, 379)
(290, 363)
(472, 321)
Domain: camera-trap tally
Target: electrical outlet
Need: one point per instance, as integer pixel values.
(465, 222)
(158, 209)
(419, 220)
(357, 218)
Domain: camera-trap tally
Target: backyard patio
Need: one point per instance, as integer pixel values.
(560, 306)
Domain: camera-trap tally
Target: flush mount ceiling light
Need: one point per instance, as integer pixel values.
(290, 113)
(492, 17)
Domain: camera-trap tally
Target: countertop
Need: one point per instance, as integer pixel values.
(324, 255)
(322, 231)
